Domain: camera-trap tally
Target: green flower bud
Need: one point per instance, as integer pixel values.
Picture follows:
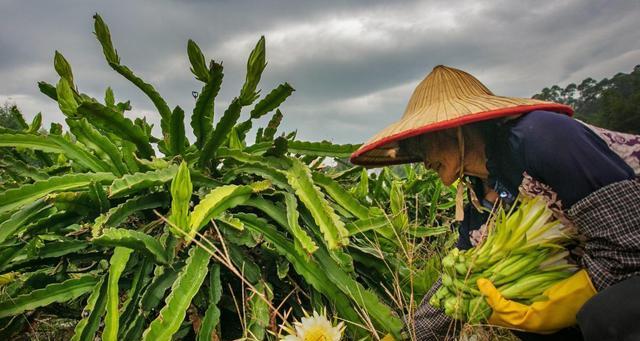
(198, 63)
(66, 100)
(181, 191)
(63, 68)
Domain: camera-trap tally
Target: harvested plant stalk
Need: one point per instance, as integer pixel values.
(523, 255)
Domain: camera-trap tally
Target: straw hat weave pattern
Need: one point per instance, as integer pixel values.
(446, 98)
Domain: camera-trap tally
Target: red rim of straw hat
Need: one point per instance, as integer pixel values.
(357, 156)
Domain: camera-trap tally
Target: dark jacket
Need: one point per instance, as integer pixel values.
(552, 148)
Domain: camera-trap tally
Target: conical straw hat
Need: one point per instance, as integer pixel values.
(446, 98)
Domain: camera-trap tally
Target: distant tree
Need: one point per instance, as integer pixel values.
(610, 103)
(11, 118)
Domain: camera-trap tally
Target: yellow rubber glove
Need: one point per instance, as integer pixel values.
(559, 311)
(388, 337)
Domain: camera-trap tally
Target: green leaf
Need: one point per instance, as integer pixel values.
(182, 292)
(79, 202)
(54, 144)
(36, 124)
(217, 201)
(259, 310)
(332, 227)
(99, 197)
(300, 235)
(181, 191)
(155, 292)
(341, 196)
(146, 128)
(54, 249)
(100, 144)
(235, 223)
(135, 240)
(221, 132)
(282, 268)
(21, 219)
(7, 255)
(22, 168)
(243, 157)
(234, 140)
(198, 64)
(259, 134)
(272, 100)
(56, 292)
(323, 148)
(202, 180)
(55, 128)
(112, 121)
(87, 327)
(400, 219)
(243, 128)
(104, 37)
(112, 319)
(121, 107)
(130, 308)
(48, 89)
(362, 189)
(212, 315)
(244, 263)
(347, 174)
(53, 222)
(255, 66)
(128, 156)
(135, 329)
(311, 271)
(120, 213)
(16, 197)
(379, 190)
(63, 68)
(277, 177)
(380, 313)
(202, 117)
(258, 148)
(272, 126)
(424, 232)
(109, 99)
(66, 99)
(381, 224)
(136, 182)
(176, 137)
(277, 213)
(308, 269)
(154, 164)
(150, 91)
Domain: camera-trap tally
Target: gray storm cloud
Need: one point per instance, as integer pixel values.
(354, 65)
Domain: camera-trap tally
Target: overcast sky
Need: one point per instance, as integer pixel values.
(353, 64)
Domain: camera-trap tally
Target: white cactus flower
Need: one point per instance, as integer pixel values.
(315, 328)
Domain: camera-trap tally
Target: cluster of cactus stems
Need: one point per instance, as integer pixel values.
(123, 229)
(523, 255)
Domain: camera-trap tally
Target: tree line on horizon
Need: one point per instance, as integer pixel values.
(611, 103)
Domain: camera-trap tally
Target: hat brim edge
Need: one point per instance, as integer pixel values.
(356, 157)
